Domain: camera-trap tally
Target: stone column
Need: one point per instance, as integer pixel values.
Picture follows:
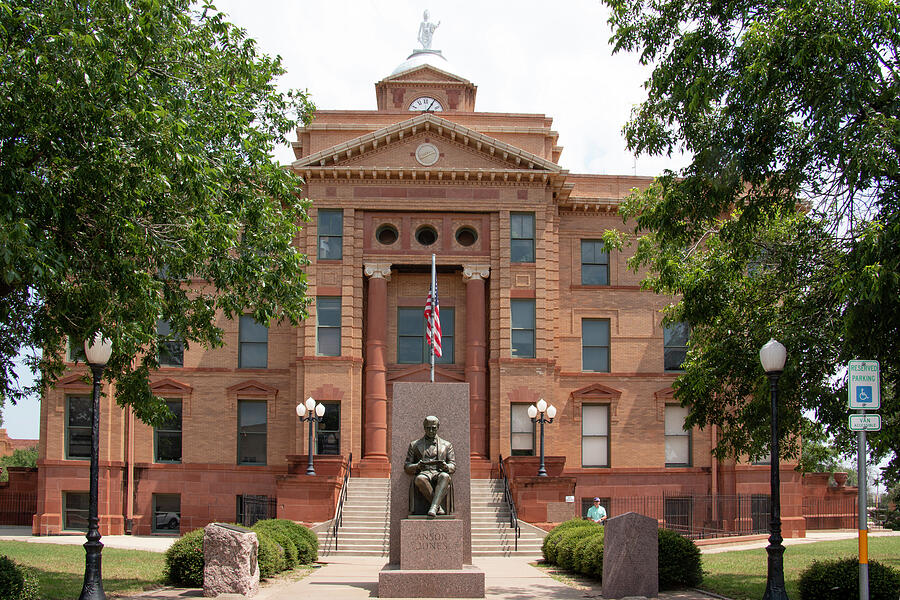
(375, 462)
(476, 363)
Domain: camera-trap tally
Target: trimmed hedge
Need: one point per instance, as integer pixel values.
(184, 560)
(279, 534)
(839, 579)
(305, 540)
(589, 556)
(577, 545)
(679, 561)
(568, 541)
(270, 556)
(17, 582)
(548, 547)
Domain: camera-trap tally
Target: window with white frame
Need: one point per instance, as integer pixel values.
(594, 435)
(521, 431)
(678, 441)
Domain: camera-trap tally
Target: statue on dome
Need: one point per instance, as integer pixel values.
(426, 31)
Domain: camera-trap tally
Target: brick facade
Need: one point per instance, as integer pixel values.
(490, 167)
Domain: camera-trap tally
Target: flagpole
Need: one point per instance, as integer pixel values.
(433, 283)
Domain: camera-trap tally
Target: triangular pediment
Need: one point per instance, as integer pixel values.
(472, 150)
(428, 73)
(423, 373)
(252, 388)
(73, 380)
(170, 386)
(597, 391)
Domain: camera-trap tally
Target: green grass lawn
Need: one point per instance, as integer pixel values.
(741, 575)
(60, 568)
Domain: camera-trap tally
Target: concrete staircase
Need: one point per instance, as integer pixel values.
(366, 525)
(491, 531)
(366, 528)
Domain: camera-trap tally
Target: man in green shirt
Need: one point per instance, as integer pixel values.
(597, 513)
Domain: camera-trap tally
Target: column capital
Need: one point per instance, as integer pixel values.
(476, 271)
(377, 270)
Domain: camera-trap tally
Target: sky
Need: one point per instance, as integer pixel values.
(525, 57)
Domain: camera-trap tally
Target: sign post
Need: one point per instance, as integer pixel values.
(864, 394)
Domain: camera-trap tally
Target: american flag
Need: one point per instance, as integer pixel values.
(433, 321)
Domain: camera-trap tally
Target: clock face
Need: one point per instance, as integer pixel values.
(426, 104)
(427, 154)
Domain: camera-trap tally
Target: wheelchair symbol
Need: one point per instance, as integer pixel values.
(864, 394)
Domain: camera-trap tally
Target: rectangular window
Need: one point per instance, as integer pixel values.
(521, 431)
(252, 508)
(521, 243)
(331, 234)
(171, 347)
(78, 427)
(678, 514)
(75, 351)
(678, 441)
(411, 346)
(594, 263)
(522, 313)
(328, 326)
(253, 342)
(595, 345)
(75, 511)
(166, 513)
(167, 437)
(594, 435)
(760, 507)
(328, 432)
(251, 432)
(675, 340)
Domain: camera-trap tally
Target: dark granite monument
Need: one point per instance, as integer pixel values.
(631, 557)
(430, 555)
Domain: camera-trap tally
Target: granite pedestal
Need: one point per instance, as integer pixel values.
(430, 558)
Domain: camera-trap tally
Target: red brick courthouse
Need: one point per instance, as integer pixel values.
(531, 306)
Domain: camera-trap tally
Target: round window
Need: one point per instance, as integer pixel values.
(386, 234)
(466, 236)
(426, 235)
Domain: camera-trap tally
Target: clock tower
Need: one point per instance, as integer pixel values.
(425, 82)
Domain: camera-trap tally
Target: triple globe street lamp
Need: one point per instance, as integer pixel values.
(316, 412)
(547, 414)
(772, 356)
(97, 352)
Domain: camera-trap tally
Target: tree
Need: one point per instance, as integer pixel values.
(136, 184)
(21, 457)
(786, 223)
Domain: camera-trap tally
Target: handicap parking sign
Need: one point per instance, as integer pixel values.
(864, 394)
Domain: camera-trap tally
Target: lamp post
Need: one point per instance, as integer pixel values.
(772, 357)
(544, 409)
(315, 416)
(97, 352)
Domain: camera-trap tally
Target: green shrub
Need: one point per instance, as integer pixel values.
(589, 556)
(270, 555)
(679, 561)
(548, 547)
(16, 581)
(565, 547)
(305, 540)
(839, 579)
(278, 532)
(184, 560)
(892, 519)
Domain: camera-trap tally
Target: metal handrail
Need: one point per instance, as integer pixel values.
(338, 519)
(510, 503)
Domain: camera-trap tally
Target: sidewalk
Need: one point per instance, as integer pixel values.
(354, 578)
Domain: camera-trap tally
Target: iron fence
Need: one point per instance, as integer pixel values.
(17, 508)
(702, 517)
(251, 509)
